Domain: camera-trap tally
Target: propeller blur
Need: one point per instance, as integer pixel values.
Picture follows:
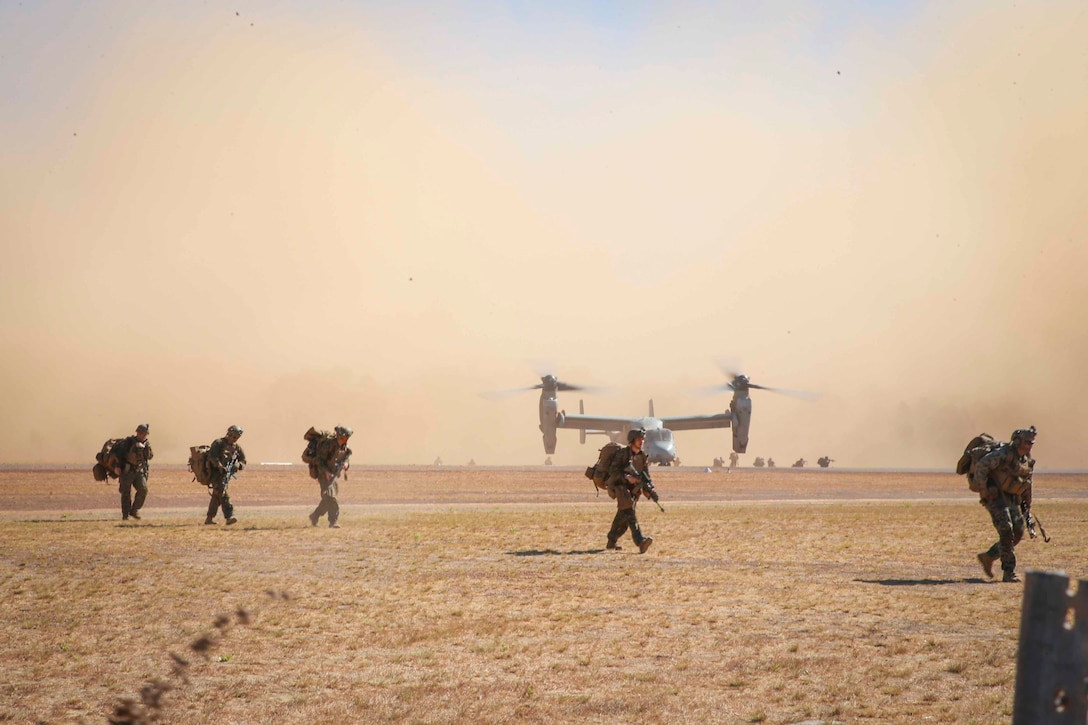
(659, 443)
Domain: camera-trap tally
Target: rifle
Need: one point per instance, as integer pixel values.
(1034, 521)
(645, 483)
(228, 473)
(340, 467)
(229, 470)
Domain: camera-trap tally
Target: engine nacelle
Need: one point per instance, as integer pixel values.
(549, 410)
(741, 410)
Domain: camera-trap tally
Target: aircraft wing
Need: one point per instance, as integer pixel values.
(593, 422)
(698, 422)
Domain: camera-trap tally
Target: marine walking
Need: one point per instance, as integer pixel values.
(130, 464)
(329, 458)
(225, 460)
(625, 486)
(1003, 478)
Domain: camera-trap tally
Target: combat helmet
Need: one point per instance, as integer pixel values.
(635, 433)
(342, 431)
(234, 430)
(143, 428)
(1023, 435)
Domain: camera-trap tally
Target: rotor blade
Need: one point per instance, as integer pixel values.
(498, 394)
(731, 366)
(707, 391)
(589, 389)
(801, 394)
(560, 386)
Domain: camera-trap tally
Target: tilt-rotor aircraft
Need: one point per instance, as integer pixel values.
(659, 443)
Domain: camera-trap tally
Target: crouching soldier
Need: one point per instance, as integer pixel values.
(626, 488)
(225, 460)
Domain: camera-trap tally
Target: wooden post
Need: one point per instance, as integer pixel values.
(1052, 659)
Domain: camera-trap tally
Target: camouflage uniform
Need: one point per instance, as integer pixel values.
(1004, 480)
(331, 460)
(220, 455)
(626, 495)
(133, 456)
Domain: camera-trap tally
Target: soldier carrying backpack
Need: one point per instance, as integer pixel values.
(626, 487)
(328, 456)
(1001, 473)
(129, 463)
(224, 460)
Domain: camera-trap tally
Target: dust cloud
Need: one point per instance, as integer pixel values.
(282, 225)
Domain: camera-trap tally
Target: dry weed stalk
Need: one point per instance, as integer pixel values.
(149, 707)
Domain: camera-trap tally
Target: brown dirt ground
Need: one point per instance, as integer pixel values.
(485, 595)
(69, 489)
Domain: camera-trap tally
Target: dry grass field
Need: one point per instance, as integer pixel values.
(485, 596)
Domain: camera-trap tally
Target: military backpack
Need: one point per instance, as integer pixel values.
(107, 460)
(309, 455)
(198, 464)
(598, 472)
(978, 447)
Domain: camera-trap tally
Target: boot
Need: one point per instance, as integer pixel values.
(612, 545)
(210, 521)
(231, 520)
(645, 544)
(135, 515)
(987, 562)
(313, 519)
(1010, 576)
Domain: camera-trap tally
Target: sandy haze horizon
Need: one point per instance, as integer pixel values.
(280, 219)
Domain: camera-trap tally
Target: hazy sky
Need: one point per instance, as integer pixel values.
(286, 214)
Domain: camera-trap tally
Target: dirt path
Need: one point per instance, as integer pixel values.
(70, 489)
